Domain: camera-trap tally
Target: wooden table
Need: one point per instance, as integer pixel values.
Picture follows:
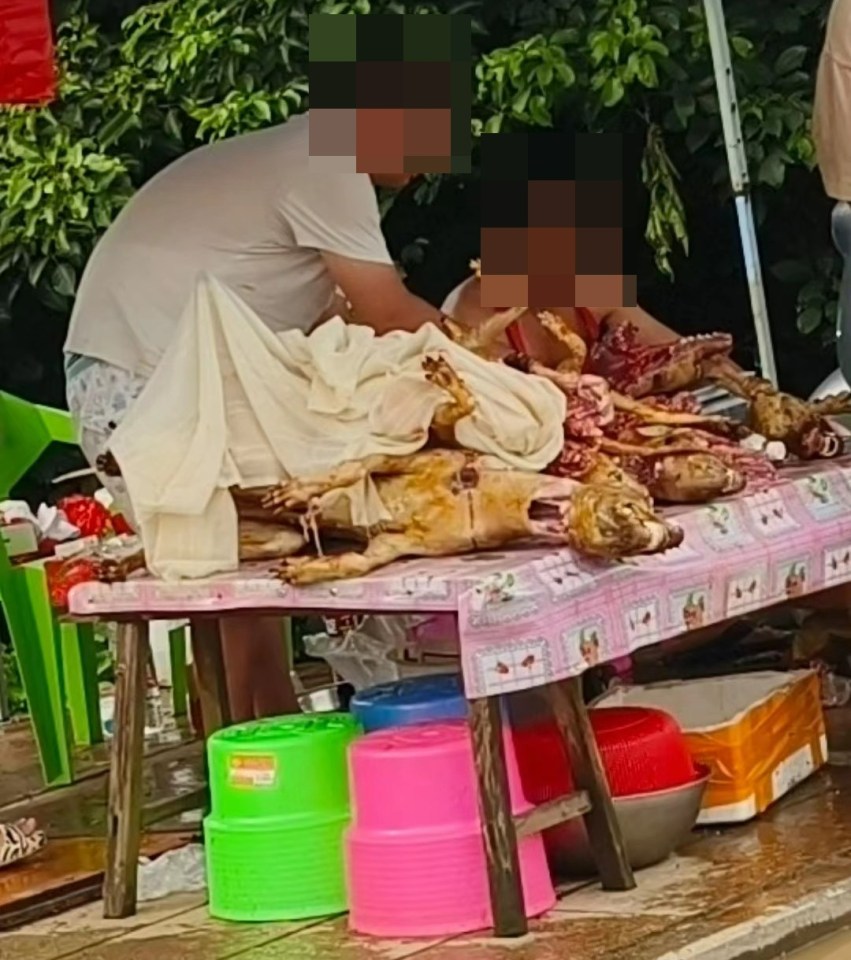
(525, 618)
(501, 829)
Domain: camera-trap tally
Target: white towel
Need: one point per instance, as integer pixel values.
(231, 403)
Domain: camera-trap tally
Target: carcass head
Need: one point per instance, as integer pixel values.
(693, 478)
(613, 522)
(819, 442)
(796, 423)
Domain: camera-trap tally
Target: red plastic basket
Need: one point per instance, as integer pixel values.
(643, 751)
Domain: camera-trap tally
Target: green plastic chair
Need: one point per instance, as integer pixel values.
(57, 661)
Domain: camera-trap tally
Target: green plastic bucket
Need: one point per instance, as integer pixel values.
(284, 767)
(280, 805)
(261, 874)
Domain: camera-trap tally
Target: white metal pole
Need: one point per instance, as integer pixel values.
(737, 161)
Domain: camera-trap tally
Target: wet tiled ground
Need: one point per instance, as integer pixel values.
(721, 885)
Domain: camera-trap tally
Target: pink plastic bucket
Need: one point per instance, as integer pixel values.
(415, 853)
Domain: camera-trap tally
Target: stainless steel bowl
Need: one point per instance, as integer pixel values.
(653, 826)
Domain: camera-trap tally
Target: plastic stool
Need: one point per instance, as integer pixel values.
(279, 806)
(415, 852)
(401, 703)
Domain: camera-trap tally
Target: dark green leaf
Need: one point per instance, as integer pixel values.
(684, 107)
(64, 280)
(790, 59)
(613, 92)
(809, 320)
(35, 270)
(698, 133)
(741, 46)
(791, 271)
(115, 128)
(772, 170)
(173, 126)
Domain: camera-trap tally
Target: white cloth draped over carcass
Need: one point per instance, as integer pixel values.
(233, 404)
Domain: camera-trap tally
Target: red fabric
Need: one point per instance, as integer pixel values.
(27, 71)
(515, 338)
(91, 518)
(590, 324)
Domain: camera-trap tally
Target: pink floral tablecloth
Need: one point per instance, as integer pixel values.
(527, 617)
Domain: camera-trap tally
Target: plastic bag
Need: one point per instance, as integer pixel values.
(178, 871)
(359, 648)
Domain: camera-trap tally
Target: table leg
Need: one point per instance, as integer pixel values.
(503, 861)
(124, 813)
(210, 674)
(604, 831)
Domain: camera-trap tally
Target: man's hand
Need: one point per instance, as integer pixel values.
(378, 297)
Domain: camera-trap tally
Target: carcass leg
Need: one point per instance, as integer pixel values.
(723, 371)
(383, 549)
(440, 373)
(494, 327)
(833, 406)
(577, 351)
(651, 414)
(482, 338)
(618, 449)
(297, 494)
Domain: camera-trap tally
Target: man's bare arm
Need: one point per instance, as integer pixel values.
(378, 297)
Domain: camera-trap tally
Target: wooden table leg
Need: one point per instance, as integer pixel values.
(124, 813)
(604, 831)
(503, 861)
(210, 674)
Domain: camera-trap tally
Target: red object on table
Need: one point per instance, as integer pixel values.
(120, 525)
(91, 518)
(62, 574)
(27, 69)
(643, 751)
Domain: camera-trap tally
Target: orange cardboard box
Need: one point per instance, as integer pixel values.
(760, 734)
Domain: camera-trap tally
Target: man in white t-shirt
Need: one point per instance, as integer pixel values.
(282, 230)
(257, 212)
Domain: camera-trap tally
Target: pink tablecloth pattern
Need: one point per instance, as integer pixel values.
(527, 617)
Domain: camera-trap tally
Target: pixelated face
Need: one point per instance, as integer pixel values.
(391, 93)
(558, 220)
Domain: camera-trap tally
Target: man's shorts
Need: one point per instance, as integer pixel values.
(99, 396)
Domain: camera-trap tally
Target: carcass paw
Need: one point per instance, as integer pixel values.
(438, 371)
(296, 570)
(297, 495)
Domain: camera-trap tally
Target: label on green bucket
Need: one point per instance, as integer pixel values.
(252, 770)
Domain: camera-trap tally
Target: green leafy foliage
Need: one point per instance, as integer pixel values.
(818, 282)
(181, 72)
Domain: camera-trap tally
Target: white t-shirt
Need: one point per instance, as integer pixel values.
(255, 212)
